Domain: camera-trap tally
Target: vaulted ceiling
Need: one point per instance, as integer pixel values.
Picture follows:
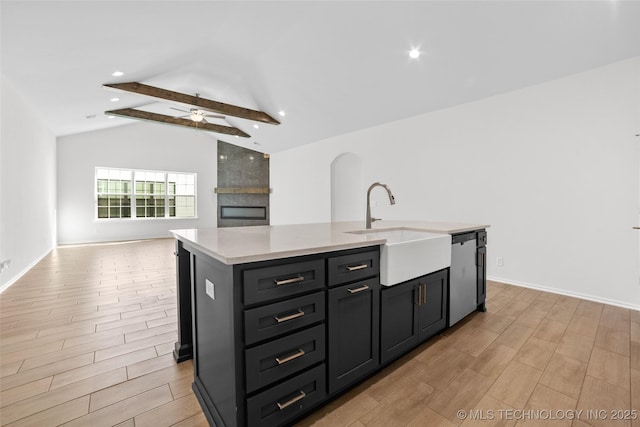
(333, 67)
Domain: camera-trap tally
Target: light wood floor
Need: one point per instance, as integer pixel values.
(86, 339)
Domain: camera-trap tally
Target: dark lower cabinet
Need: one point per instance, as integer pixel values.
(353, 331)
(398, 320)
(432, 312)
(411, 312)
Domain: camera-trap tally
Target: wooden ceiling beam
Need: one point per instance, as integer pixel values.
(206, 104)
(170, 120)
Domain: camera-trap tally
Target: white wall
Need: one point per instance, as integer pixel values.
(138, 146)
(553, 168)
(27, 186)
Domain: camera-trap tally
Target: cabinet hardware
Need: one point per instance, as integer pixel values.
(176, 253)
(357, 267)
(360, 289)
(422, 294)
(289, 281)
(290, 402)
(299, 313)
(291, 357)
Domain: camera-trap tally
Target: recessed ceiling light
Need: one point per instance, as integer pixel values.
(117, 73)
(414, 53)
(114, 99)
(282, 113)
(90, 116)
(256, 126)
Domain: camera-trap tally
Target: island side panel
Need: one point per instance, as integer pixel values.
(184, 347)
(217, 364)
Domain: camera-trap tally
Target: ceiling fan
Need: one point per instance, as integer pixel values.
(197, 115)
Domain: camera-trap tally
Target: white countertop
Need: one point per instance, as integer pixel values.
(238, 245)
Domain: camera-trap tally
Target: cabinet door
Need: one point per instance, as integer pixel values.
(482, 276)
(354, 332)
(432, 314)
(398, 320)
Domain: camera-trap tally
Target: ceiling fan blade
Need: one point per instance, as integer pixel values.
(215, 116)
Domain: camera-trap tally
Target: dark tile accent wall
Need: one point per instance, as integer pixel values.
(240, 167)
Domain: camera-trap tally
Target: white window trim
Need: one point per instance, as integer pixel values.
(133, 195)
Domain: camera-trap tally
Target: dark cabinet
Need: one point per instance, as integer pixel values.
(398, 320)
(411, 312)
(353, 331)
(432, 295)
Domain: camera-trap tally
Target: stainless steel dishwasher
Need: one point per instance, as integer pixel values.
(463, 284)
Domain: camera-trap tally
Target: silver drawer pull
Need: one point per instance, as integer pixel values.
(290, 402)
(289, 281)
(360, 289)
(299, 313)
(291, 357)
(357, 267)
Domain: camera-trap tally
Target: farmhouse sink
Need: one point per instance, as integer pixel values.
(409, 254)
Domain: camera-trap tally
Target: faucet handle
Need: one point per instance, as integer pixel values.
(375, 219)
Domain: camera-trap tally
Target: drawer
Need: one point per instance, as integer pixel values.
(276, 319)
(349, 268)
(285, 356)
(286, 401)
(280, 281)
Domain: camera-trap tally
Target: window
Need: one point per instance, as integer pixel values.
(114, 193)
(182, 194)
(126, 193)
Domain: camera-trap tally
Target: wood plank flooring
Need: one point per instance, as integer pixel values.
(86, 339)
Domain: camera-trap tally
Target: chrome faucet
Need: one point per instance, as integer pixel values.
(392, 201)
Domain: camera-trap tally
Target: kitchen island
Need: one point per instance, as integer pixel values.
(279, 319)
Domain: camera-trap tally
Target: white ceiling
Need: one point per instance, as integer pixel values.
(334, 67)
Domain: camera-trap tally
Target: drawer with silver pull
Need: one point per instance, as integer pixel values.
(281, 281)
(285, 356)
(349, 268)
(272, 320)
(286, 401)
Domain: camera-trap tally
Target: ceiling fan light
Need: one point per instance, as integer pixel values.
(197, 117)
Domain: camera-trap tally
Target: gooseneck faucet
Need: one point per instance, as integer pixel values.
(392, 200)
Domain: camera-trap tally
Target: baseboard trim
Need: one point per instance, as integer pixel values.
(564, 292)
(24, 271)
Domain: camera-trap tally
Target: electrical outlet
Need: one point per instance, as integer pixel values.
(210, 289)
(4, 265)
(500, 261)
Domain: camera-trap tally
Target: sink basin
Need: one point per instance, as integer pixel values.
(408, 254)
